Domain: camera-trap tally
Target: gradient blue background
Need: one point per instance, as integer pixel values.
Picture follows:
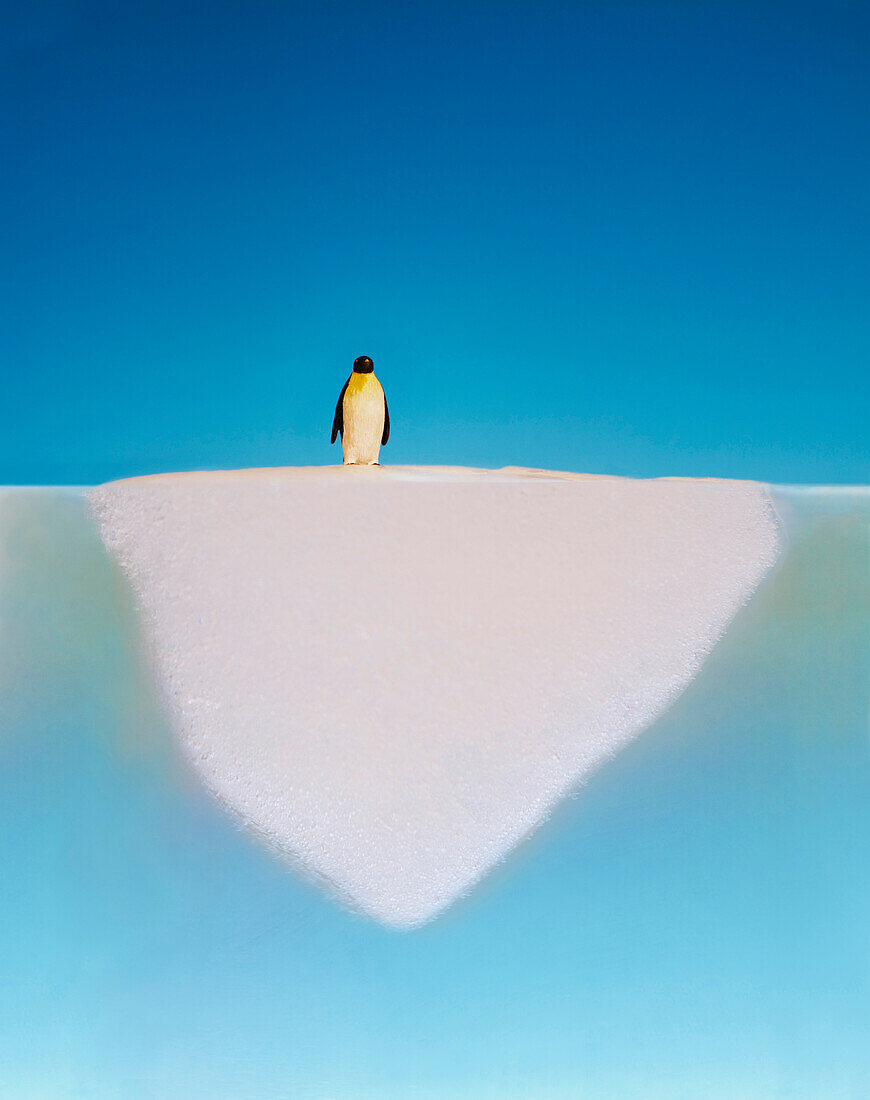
(616, 237)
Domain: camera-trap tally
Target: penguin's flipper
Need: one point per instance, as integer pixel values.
(338, 419)
(386, 434)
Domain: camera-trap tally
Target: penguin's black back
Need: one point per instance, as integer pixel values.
(338, 419)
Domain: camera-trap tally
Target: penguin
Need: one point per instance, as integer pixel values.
(362, 416)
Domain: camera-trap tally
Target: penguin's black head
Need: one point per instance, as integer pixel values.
(363, 365)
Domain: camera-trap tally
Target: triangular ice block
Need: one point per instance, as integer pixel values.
(393, 673)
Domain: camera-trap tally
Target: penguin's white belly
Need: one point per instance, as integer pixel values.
(363, 414)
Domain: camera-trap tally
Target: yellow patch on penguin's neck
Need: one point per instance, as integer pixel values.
(361, 381)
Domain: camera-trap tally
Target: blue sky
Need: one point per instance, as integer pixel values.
(614, 237)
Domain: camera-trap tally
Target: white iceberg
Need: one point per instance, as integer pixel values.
(393, 674)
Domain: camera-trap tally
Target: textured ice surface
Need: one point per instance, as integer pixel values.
(392, 674)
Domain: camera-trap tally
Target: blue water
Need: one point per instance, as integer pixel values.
(693, 924)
